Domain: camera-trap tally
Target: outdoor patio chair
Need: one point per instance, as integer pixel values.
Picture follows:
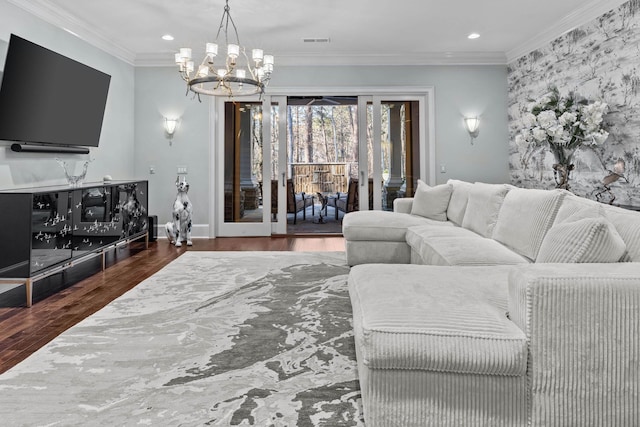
(296, 202)
(349, 201)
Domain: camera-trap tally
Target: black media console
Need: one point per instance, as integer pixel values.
(45, 230)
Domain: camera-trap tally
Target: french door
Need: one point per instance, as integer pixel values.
(250, 161)
(249, 184)
(397, 155)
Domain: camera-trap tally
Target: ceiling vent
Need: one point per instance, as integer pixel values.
(316, 40)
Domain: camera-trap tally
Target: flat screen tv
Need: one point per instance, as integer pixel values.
(47, 98)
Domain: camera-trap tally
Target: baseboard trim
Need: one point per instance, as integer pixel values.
(198, 231)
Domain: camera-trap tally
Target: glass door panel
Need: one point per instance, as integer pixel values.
(278, 164)
(393, 141)
(322, 159)
(399, 149)
(244, 195)
(243, 162)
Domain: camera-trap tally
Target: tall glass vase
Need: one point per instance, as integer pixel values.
(563, 165)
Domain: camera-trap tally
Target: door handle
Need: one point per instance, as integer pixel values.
(361, 178)
(283, 184)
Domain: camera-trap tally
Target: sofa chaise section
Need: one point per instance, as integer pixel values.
(436, 348)
(379, 236)
(540, 344)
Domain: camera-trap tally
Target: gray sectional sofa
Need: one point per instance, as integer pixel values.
(490, 305)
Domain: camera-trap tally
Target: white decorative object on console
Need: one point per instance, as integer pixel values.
(74, 180)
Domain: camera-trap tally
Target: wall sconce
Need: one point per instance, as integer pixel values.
(473, 127)
(170, 127)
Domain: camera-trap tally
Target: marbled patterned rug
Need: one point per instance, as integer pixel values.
(214, 338)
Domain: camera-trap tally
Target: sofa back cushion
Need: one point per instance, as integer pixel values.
(483, 207)
(458, 201)
(573, 204)
(431, 202)
(525, 217)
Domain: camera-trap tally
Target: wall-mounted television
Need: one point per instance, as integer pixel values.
(47, 98)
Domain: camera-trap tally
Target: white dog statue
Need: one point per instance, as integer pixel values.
(179, 229)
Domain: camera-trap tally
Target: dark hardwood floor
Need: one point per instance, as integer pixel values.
(58, 306)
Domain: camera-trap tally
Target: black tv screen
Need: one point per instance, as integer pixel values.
(48, 98)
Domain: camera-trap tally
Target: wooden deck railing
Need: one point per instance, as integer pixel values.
(315, 178)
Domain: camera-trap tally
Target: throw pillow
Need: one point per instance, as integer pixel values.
(525, 217)
(583, 240)
(627, 224)
(483, 206)
(431, 202)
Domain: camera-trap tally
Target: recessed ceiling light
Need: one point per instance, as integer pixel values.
(473, 36)
(167, 37)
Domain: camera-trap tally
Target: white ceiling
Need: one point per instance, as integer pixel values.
(360, 31)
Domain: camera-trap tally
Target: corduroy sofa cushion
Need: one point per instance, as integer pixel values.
(525, 217)
(627, 224)
(446, 319)
(381, 225)
(458, 202)
(481, 213)
(431, 202)
(460, 250)
(591, 240)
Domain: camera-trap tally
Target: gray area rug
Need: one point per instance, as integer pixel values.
(214, 338)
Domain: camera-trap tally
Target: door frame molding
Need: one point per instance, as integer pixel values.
(216, 133)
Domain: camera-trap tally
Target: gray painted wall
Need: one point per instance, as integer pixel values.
(459, 91)
(160, 93)
(114, 156)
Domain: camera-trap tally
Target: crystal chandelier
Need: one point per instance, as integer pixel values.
(233, 75)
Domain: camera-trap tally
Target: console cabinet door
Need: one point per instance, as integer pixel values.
(51, 230)
(104, 215)
(133, 208)
(15, 249)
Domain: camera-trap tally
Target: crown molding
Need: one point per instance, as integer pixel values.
(425, 58)
(585, 14)
(48, 12)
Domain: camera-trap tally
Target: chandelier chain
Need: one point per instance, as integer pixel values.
(227, 14)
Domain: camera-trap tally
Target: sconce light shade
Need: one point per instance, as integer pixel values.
(170, 126)
(473, 126)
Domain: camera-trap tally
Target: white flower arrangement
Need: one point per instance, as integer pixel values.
(563, 123)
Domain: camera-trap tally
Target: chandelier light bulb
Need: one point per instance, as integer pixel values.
(212, 50)
(190, 67)
(178, 58)
(257, 55)
(233, 50)
(268, 60)
(185, 53)
(222, 72)
(241, 74)
(203, 71)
